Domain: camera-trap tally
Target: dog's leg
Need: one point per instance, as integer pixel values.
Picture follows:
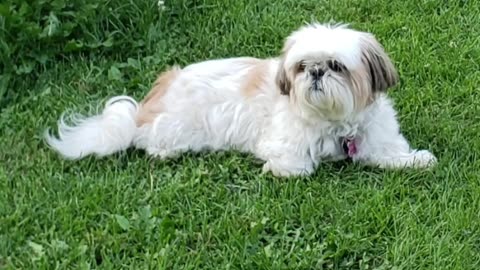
(381, 143)
(284, 155)
(395, 153)
(288, 165)
(171, 135)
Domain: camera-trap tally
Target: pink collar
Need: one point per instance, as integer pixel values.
(349, 146)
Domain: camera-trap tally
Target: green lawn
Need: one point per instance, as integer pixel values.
(216, 210)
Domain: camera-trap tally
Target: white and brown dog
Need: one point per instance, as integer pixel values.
(322, 99)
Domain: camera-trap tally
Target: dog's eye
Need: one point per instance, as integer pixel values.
(301, 67)
(335, 66)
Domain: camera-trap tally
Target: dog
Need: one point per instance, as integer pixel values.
(322, 99)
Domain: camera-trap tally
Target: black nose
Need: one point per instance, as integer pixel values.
(317, 73)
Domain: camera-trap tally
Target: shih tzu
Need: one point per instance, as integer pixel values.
(322, 99)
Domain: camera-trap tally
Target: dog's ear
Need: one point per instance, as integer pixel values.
(382, 72)
(282, 79)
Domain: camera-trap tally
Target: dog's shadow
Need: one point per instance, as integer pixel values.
(226, 166)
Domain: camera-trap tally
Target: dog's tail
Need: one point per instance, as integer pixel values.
(111, 131)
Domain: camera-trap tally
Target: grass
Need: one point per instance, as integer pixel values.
(216, 210)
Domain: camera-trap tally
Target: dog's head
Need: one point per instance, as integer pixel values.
(333, 71)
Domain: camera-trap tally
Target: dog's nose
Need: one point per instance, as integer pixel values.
(317, 73)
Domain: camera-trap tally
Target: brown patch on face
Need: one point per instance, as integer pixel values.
(283, 82)
(254, 78)
(151, 105)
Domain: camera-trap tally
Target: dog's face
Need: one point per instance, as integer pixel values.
(332, 71)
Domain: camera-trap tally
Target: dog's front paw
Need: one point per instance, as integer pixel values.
(423, 159)
(280, 171)
(414, 159)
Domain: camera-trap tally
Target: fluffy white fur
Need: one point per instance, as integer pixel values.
(292, 111)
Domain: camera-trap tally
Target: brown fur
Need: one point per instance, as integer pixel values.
(151, 105)
(283, 82)
(381, 70)
(362, 90)
(254, 78)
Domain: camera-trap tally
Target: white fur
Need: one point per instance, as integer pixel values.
(338, 41)
(111, 131)
(204, 109)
